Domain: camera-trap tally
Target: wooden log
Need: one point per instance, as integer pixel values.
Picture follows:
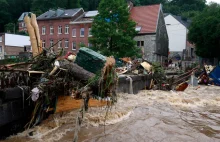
(36, 29)
(78, 72)
(32, 35)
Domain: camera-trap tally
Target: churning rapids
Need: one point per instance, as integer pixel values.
(150, 116)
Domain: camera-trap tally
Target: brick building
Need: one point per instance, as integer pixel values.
(21, 24)
(64, 25)
(11, 45)
(74, 25)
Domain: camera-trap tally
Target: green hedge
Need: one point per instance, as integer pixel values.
(14, 60)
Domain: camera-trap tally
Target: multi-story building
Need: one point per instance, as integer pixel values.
(83, 27)
(63, 28)
(11, 45)
(72, 27)
(21, 24)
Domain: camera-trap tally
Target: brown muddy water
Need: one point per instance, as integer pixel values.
(150, 116)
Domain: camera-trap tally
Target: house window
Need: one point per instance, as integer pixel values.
(74, 32)
(82, 32)
(51, 30)
(43, 30)
(0, 38)
(74, 46)
(140, 43)
(59, 44)
(44, 43)
(51, 43)
(67, 29)
(0, 49)
(22, 24)
(90, 33)
(59, 29)
(67, 43)
(89, 45)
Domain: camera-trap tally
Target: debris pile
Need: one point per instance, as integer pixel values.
(210, 75)
(48, 75)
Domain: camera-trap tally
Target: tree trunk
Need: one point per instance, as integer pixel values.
(78, 72)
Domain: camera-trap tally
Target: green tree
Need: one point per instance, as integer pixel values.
(73, 4)
(148, 2)
(178, 7)
(113, 31)
(204, 32)
(93, 4)
(85, 4)
(41, 6)
(5, 16)
(10, 28)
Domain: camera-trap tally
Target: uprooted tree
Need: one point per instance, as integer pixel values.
(113, 31)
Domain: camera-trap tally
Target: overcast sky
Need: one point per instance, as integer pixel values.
(218, 1)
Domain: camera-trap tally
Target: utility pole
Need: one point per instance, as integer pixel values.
(14, 28)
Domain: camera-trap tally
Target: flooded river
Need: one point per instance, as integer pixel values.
(150, 116)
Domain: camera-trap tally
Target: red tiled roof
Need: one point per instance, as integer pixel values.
(146, 17)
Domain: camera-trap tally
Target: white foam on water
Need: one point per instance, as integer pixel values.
(190, 99)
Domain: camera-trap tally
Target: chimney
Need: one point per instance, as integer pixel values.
(130, 5)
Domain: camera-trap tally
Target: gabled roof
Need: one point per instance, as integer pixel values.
(185, 23)
(59, 13)
(86, 17)
(21, 18)
(146, 17)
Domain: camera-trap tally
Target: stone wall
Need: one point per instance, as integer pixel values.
(149, 46)
(138, 82)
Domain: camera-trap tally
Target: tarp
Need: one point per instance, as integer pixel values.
(90, 60)
(215, 75)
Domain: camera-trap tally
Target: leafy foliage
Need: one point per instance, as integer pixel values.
(10, 27)
(184, 7)
(205, 32)
(113, 31)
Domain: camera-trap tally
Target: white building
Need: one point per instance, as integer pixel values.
(12, 44)
(177, 30)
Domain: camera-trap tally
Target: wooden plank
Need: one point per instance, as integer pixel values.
(67, 103)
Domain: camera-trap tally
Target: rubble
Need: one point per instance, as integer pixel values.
(49, 75)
